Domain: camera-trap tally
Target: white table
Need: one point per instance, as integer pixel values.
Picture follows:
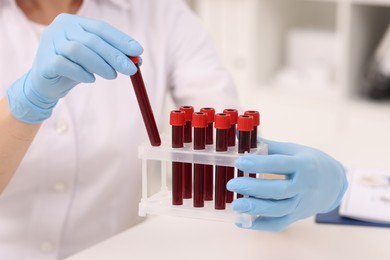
(355, 133)
(186, 239)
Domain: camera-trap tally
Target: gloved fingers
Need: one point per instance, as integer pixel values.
(86, 58)
(265, 208)
(113, 36)
(263, 188)
(278, 164)
(270, 223)
(115, 58)
(280, 147)
(66, 68)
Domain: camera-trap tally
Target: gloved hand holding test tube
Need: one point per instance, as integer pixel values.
(72, 50)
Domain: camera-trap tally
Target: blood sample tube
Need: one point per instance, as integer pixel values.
(199, 123)
(245, 126)
(177, 121)
(144, 105)
(231, 143)
(208, 175)
(256, 123)
(187, 167)
(222, 124)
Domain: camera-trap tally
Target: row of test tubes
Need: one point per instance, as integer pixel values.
(196, 181)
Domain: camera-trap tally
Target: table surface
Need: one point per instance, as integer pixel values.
(173, 238)
(356, 133)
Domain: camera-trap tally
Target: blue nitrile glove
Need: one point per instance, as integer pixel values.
(315, 183)
(71, 51)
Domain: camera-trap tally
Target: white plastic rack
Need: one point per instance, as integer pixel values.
(160, 203)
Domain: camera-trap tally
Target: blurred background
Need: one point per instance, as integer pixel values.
(316, 70)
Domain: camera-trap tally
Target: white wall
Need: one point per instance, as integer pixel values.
(251, 37)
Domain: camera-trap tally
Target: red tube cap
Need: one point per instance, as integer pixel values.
(199, 120)
(177, 118)
(255, 115)
(245, 123)
(222, 121)
(189, 110)
(210, 113)
(233, 115)
(135, 59)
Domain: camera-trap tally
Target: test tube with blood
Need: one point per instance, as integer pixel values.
(199, 123)
(208, 174)
(222, 124)
(177, 121)
(187, 167)
(144, 104)
(256, 123)
(231, 143)
(244, 126)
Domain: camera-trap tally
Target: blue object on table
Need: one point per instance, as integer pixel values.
(333, 217)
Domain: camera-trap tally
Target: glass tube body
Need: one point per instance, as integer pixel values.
(221, 145)
(187, 167)
(230, 170)
(199, 144)
(146, 109)
(177, 167)
(208, 169)
(253, 145)
(244, 145)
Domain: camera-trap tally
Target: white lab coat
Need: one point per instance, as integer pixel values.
(79, 183)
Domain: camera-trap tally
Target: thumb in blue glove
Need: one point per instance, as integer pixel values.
(72, 50)
(315, 183)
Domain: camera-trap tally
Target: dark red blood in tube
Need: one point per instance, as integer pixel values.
(208, 175)
(231, 143)
(187, 167)
(177, 122)
(233, 121)
(210, 121)
(199, 123)
(256, 123)
(144, 105)
(245, 126)
(188, 110)
(222, 124)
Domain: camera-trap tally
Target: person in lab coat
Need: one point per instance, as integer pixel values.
(70, 124)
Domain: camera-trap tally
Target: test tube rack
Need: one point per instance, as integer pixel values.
(160, 203)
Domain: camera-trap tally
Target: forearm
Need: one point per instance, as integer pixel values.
(15, 138)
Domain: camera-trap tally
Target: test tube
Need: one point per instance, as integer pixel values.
(256, 123)
(199, 123)
(245, 126)
(144, 104)
(222, 124)
(231, 143)
(208, 175)
(177, 121)
(187, 167)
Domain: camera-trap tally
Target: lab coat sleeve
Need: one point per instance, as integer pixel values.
(197, 76)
